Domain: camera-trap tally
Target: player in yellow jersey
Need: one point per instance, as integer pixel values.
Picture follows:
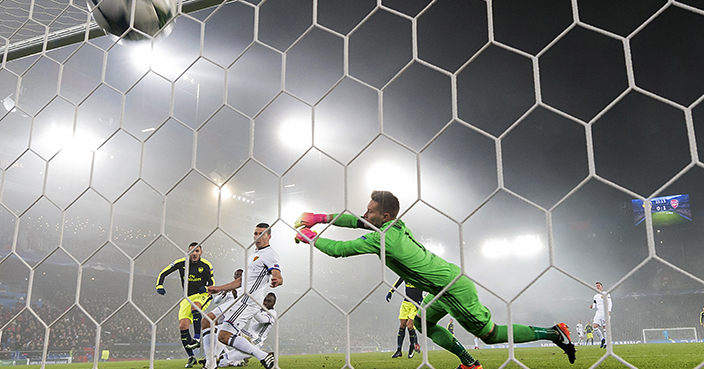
(407, 312)
(200, 275)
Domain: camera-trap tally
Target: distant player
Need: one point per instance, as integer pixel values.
(590, 334)
(580, 332)
(407, 312)
(257, 333)
(200, 275)
(262, 269)
(410, 260)
(451, 327)
(599, 317)
(701, 319)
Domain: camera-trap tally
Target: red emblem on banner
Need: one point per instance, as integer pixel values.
(674, 203)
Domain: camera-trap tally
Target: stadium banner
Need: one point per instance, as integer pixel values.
(14, 362)
(50, 361)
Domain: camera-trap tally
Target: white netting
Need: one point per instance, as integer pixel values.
(522, 140)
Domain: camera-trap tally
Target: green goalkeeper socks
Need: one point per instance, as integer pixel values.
(443, 338)
(521, 333)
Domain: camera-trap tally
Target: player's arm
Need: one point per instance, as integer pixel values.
(343, 249)
(264, 317)
(276, 278)
(226, 287)
(165, 273)
(347, 221)
(210, 281)
(308, 220)
(391, 291)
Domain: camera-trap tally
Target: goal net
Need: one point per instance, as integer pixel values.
(538, 145)
(669, 335)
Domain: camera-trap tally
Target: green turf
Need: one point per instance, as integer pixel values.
(660, 356)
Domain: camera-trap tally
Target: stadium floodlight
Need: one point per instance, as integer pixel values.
(223, 191)
(295, 132)
(389, 176)
(145, 57)
(524, 246)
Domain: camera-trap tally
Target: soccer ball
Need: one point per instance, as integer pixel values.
(150, 16)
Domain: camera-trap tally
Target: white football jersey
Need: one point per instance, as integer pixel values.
(261, 263)
(598, 302)
(260, 326)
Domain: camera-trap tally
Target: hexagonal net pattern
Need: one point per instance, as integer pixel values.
(539, 146)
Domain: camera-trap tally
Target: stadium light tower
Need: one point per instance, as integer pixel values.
(524, 246)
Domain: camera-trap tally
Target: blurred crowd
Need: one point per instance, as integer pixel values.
(72, 330)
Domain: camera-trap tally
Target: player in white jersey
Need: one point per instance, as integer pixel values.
(599, 316)
(262, 269)
(257, 333)
(222, 302)
(580, 332)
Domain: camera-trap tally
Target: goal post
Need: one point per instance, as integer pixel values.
(667, 335)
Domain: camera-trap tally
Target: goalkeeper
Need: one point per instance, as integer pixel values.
(200, 275)
(425, 270)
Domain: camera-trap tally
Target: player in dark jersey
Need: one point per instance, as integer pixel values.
(410, 260)
(200, 275)
(407, 312)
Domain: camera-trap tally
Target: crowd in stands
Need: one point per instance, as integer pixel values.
(71, 329)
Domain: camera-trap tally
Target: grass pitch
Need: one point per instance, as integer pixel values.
(660, 356)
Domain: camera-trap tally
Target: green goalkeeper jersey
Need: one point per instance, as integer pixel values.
(404, 255)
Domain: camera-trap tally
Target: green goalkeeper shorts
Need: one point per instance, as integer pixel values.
(462, 303)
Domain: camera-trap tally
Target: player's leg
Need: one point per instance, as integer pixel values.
(401, 332)
(414, 347)
(198, 301)
(229, 335)
(598, 322)
(206, 340)
(441, 336)
(411, 337)
(184, 323)
(235, 318)
(232, 358)
(196, 320)
(558, 334)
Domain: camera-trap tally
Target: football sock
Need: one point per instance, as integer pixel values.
(245, 346)
(443, 338)
(400, 337)
(598, 332)
(521, 333)
(196, 324)
(412, 337)
(186, 339)
(235, 355)
(205, 342)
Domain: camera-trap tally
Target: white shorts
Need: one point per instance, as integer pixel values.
(599, 318)
(237, 317)
(219, 310)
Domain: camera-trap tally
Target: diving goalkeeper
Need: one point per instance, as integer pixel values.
(425, 270)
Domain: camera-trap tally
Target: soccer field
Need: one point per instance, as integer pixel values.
(661, 356)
